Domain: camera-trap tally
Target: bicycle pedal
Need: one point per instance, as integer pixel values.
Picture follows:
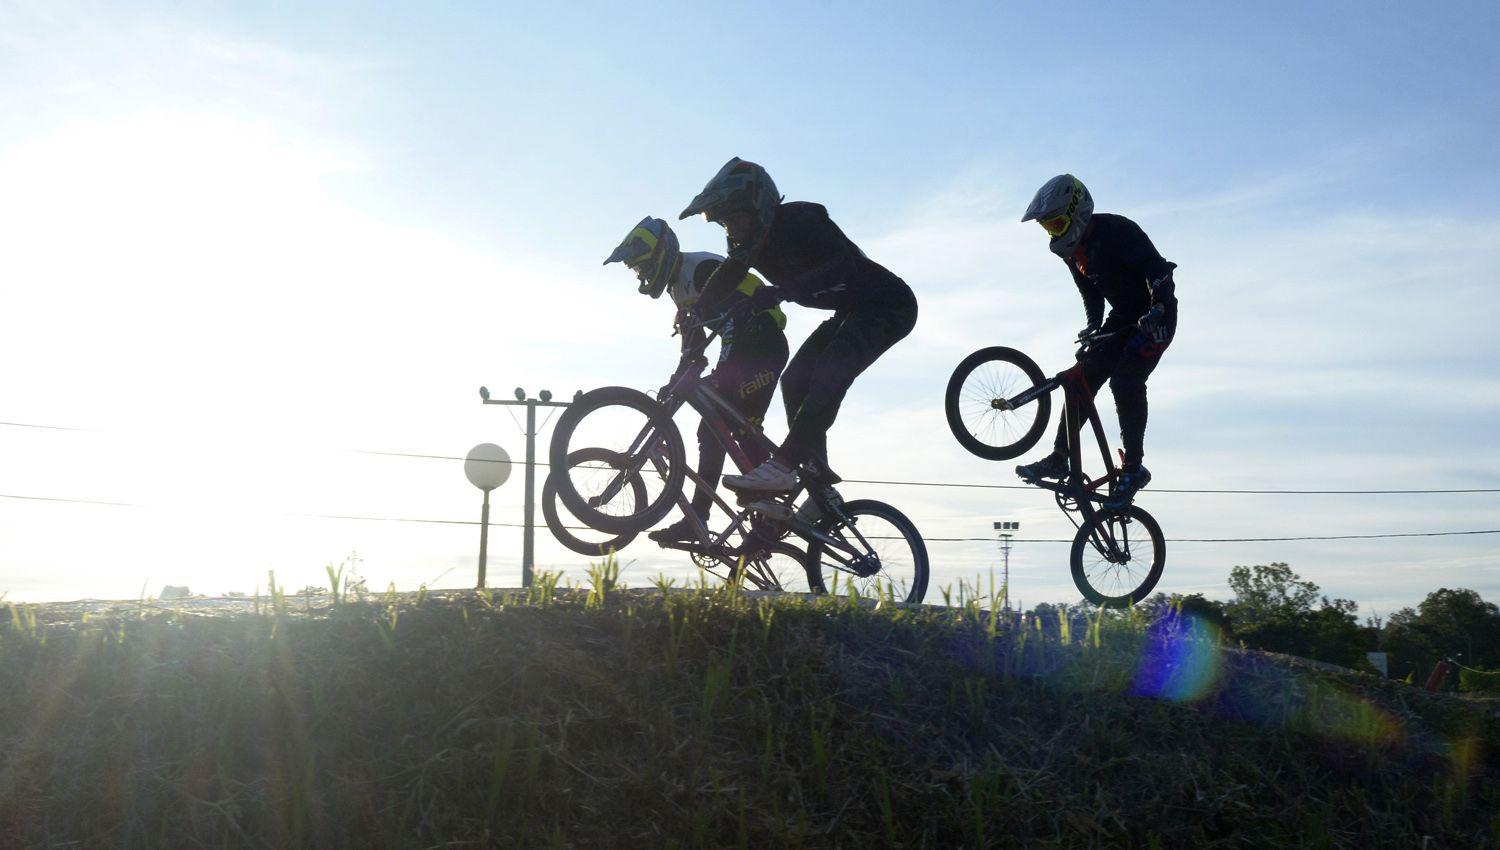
(779, 511)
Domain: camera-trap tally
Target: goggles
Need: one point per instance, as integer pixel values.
(1057, 225)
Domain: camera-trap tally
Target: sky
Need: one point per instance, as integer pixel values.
(257, 259)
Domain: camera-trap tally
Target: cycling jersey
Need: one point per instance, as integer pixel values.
(810, 259)
(752, 353)
(814, 264)
(697, 269)
(1116, 262)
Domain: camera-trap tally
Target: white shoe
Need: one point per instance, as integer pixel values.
(769, 477)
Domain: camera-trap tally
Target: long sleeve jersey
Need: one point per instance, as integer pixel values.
(810, 259)
(1117, 263)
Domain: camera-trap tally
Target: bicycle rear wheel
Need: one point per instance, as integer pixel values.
(641, 434)
(1118, 557)
(627, 502)
(877, 551)
(979, 414)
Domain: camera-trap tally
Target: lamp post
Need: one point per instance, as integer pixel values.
(487, 466)
(527, 534)
(1006, 529)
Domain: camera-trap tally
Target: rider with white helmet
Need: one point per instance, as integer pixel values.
(1111, 261)
(752, 350)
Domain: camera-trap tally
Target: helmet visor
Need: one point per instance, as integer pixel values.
(1057, 225)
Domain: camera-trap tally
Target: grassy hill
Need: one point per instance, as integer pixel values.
(700, 718)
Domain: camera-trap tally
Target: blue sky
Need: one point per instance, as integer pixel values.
(264, 235)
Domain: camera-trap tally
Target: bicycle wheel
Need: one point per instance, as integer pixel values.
(878, 550)
(978, 413)
(626, 502)
(1118, 557)
(780, 566)
(646, 441)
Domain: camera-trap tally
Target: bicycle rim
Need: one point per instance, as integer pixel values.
(878, 553)
(1118, 557)
(626, 502)
(780, 566)
(975, 398)
(631, 427)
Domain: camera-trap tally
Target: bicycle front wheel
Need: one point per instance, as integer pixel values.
(978, 407)
(877, 551)
(641, 435)
(626, 502)
(1118, 557)
(779, 566)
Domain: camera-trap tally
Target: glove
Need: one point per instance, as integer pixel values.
(1089, 331)
(693, 365)
(765, 297)
(1154, 324)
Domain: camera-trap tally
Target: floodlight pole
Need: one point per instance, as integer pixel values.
(528, 531)
(1006, 528)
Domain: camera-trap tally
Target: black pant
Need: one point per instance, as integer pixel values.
(825, 367)
(1125, 360)
(749, 363)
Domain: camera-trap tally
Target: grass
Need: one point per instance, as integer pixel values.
(693, 717)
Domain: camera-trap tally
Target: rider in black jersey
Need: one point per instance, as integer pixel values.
(1111, 260)
(799, 249)
(752, 348)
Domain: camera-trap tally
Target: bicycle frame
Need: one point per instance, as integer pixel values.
(1078, 405)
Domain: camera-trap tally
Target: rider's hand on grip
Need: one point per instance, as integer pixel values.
(1087, 332)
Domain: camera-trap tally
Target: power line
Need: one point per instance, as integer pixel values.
(1169, 490)
(72, 501)
(953, 484)
(1234, 539)
(47, 427)
(926, 539)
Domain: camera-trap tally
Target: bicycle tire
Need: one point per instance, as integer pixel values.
(980, 379)
(1098, 574)
(902, 556)
(788, 580)
(662, 436)
(551, 514)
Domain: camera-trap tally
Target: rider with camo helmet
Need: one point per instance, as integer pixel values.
(1111, 260)
(798, 248)
(752, 348)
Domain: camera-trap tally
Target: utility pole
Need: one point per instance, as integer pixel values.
(528, 532)
(1006, 529)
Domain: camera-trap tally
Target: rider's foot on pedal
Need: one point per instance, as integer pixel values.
(1052, 466)
(1132, 479)
(769, 477)
(681, 531)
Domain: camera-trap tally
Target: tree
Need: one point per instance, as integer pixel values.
(1265, 594)
(1448, 624)
(1273, 610)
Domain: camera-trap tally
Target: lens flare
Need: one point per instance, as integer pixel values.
(1181, 661)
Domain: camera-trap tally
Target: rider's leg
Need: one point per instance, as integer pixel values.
(1128, 384)
(745, 376)
(856, 342)
(1098, 364)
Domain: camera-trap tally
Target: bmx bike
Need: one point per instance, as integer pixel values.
(998, 402)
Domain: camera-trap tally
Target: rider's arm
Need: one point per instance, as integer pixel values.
(691, 333)
(1141, 255)
(721, 291)
(1093, 301)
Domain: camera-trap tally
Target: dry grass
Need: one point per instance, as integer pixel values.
(696, 718)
